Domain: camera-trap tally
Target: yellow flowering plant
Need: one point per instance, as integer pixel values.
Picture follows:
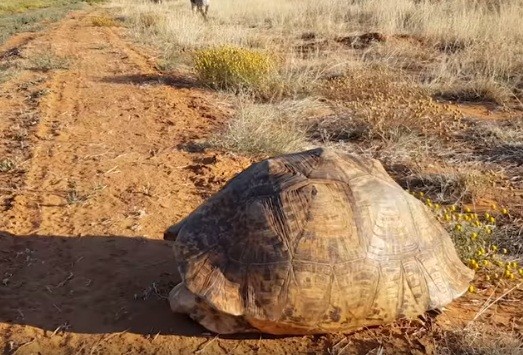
(233, 68)
(472, 234)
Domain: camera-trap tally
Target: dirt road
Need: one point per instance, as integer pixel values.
(103, 159)
(103, 170)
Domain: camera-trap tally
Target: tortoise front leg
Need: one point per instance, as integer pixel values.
(184, 301)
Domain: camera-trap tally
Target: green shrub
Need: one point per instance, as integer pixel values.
(234, 68)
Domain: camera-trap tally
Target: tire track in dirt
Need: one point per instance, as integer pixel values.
(19, 118)
(42, 146)
(95, 115)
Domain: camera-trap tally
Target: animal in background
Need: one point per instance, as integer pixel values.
(201, 6)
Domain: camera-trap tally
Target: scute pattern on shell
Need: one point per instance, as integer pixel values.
(317, 242)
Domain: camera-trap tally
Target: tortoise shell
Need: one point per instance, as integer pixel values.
(313, 242)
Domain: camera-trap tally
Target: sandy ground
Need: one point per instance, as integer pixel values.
(106, 160)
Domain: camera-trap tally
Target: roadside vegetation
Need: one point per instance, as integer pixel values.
(32, 15)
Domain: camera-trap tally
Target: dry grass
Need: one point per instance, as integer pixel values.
(6, 72)
(18, 6)
(267, 129)
(387, 107)
(487, 133)
(32, 15)
(480, 340)
(470, 50)
(103, 21)
(449, 187)
(46, 61)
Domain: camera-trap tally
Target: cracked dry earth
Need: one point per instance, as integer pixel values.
(101, 166)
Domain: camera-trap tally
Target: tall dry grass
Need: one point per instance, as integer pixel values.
(266, 129)
(473, 49)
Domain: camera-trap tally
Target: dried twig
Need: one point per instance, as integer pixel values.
(23, 345)
(156, 336)
(205, 344)
(106, 339)
(69, 277)
(487, 305)
(111, 170)
(64, 326)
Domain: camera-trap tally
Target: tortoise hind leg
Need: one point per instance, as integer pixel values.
(182, 300)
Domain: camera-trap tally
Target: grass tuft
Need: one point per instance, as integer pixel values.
(103, 21)
(46, 61)
(377, 106)
(6, 72)
(7, 165)
(32, 15)
(266, 129)
(479, 340)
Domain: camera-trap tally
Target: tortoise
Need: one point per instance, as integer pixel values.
(312, 242)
